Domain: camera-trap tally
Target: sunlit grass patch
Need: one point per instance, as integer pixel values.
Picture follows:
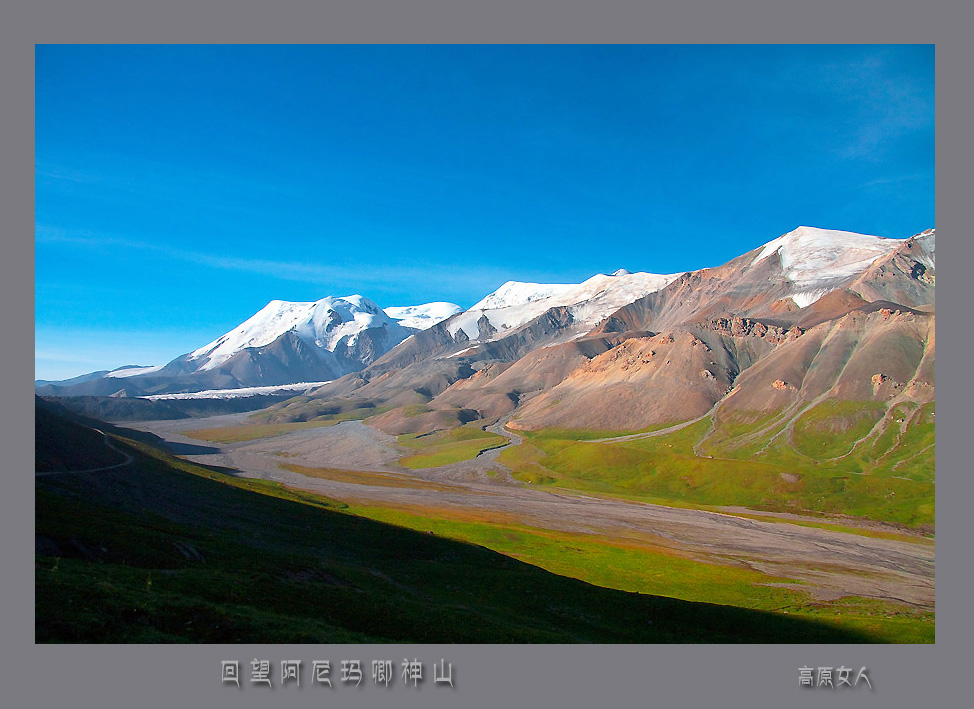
(641, 564)
(665, 469)
(448, 446)
(278, 565)
(831, 428)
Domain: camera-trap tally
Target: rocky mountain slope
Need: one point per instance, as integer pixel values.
(810, 316)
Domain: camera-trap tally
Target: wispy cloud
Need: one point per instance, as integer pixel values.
(436, 276)
(884, 181)
(45, 234)
(67, 174)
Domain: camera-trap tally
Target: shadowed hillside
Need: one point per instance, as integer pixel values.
(166, 551)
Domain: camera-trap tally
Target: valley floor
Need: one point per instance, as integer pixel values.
(358, 465)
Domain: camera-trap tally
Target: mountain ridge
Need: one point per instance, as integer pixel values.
(711, 326)
(794, 281)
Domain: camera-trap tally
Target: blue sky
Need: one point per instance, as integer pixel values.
(178, 189)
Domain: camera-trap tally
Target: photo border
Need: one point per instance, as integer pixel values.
(486, 675)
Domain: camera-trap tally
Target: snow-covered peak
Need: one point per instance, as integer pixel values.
(515, 293)
(515, 304)
(132, 370)
(422, 317)
(322, 323)
(926, 241)
(621, 272)
(810, 255)
(816, 261)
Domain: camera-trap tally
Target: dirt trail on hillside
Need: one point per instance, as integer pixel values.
(832, 563)
(109, 444)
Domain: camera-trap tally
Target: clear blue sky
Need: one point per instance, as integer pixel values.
(180, 188)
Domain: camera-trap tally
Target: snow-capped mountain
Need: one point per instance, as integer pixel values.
(812, 315)
(326, 324)
(515, 304)
(816, 261)
(283, 343)
(800, 279)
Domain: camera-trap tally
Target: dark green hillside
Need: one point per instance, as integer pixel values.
(63, 444)
(162, 550)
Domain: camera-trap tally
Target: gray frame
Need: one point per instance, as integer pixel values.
(563, 676)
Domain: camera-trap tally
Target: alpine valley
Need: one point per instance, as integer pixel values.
(756, 436)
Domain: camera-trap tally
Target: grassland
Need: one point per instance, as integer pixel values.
(834, 459)
(644, 567)
(167, 551)
(448, 446)
(67, 445)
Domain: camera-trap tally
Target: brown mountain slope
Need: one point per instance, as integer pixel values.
(862, 356)
(639, 383)
(905, 277)
(498, 388)
(859, 357)
(736, 329)
(762, 291)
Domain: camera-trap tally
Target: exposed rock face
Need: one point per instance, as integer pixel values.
(839, 360)
(746, 327)
(485, 329)
(906, 277)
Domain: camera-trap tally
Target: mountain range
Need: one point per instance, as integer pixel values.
(284, 343)
(810, 317)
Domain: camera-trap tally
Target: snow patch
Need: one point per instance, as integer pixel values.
(422, 317)
(123, 372)
(514, 304)
(926, 254)
(806, 298)
(237, 393)
(514, 293)
(815, 260)
(810, 255)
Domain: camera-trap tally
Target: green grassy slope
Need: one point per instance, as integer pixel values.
(448, 446)
(63, 444)
(166, 551)
(836, 458)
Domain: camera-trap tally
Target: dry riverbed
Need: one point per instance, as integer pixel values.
(831, 563)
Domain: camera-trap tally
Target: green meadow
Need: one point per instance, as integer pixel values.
(448, 446)
(833, 460)
(643, 567)
(168, 551)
